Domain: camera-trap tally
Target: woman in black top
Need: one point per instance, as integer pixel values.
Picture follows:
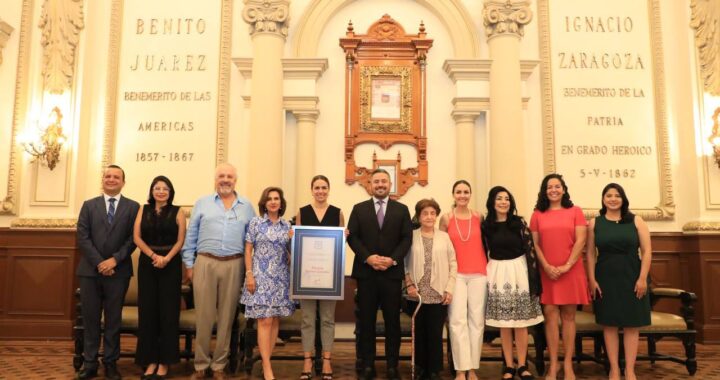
(513, 278)
(318, 213)
(159, 234)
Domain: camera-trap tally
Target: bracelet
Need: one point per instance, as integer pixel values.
(248, 272)
(153, 255)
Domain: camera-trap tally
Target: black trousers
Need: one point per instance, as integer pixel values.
(102, 294)
(158, 311)
(386, 293)
(429, 324)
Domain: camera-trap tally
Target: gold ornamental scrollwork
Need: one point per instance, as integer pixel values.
(705, 19)
(267, 16)
(370, 124)
(506, 17)
(61, 22)
(701, 228)
(26, 223)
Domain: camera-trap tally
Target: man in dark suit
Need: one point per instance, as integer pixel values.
(105, 239)
(380, 235)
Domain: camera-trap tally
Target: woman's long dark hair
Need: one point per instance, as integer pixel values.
(171, 196)
(625, 215)
(543, 203)
(514, 221)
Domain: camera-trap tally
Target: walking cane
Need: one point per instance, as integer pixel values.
(412, 334)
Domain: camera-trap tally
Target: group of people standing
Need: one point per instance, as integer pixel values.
(470, 268)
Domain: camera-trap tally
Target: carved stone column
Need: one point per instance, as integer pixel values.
(305, 162)
(5, 32)
(465, 145)
(504, 21)
(268, 28)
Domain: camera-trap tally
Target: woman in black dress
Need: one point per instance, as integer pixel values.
(159, 234)
(318, 213)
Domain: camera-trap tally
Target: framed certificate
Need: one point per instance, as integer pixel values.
(317, 263)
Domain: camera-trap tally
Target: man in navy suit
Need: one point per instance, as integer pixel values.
(105, 240)
(380, 235)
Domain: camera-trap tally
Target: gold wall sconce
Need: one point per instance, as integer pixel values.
(46, 145)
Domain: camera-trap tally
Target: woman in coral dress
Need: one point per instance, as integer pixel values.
(559, 230)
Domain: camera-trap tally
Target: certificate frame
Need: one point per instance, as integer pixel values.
(332, 274)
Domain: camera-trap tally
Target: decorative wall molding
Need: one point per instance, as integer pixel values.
(61, 22)
(705, 19)
(452, 13)
(9, 204)
(5, 32)
(506, 17)
(28, 223)
(293, 68)
(479, 69)
(267, 16)
(700, 227)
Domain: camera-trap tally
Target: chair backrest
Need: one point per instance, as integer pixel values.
(131, 297)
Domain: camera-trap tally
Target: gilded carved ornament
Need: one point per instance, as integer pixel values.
(267, 16)
(5, 32)
(61, 22)
(705, 19)
(506, 17)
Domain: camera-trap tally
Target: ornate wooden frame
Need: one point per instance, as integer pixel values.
(385, 52)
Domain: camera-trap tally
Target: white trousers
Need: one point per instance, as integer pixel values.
(467, 320)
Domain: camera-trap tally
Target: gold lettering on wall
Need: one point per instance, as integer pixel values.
(603, 101)
(171, 93)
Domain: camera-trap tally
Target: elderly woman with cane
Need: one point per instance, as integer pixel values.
(430, 271)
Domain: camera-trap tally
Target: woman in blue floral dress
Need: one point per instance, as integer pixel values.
(266, 295)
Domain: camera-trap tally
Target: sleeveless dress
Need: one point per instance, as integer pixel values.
(616, 271)
(556, 229)
(158, 290)
(330, 219)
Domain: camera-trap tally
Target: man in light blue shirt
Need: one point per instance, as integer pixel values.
(213, 255)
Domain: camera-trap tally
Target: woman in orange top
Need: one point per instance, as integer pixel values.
(467, 309)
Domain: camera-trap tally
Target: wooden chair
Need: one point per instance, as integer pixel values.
(663, 325)
(129, 323)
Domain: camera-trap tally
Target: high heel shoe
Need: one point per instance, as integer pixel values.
(326, 375)
(307, 375)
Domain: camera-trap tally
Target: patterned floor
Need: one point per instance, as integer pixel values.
(53, 360)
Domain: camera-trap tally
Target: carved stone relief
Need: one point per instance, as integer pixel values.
(705, 19)
(61, 22)
(267, 16)
(506, 17)
(5, 32)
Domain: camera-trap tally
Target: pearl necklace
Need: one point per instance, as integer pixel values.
(457, 226)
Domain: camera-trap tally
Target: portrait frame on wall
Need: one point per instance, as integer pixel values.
(386, 99)
(317, 263)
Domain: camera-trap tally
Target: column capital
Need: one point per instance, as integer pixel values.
(506, 17)
(267, 16)
(306, 115)
(464, 116)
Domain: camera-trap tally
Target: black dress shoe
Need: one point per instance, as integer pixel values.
(393, 373)
(368, 373)
(111, 372)
(86, 373)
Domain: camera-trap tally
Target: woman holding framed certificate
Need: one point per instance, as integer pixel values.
(266, 295)
(318, 213)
